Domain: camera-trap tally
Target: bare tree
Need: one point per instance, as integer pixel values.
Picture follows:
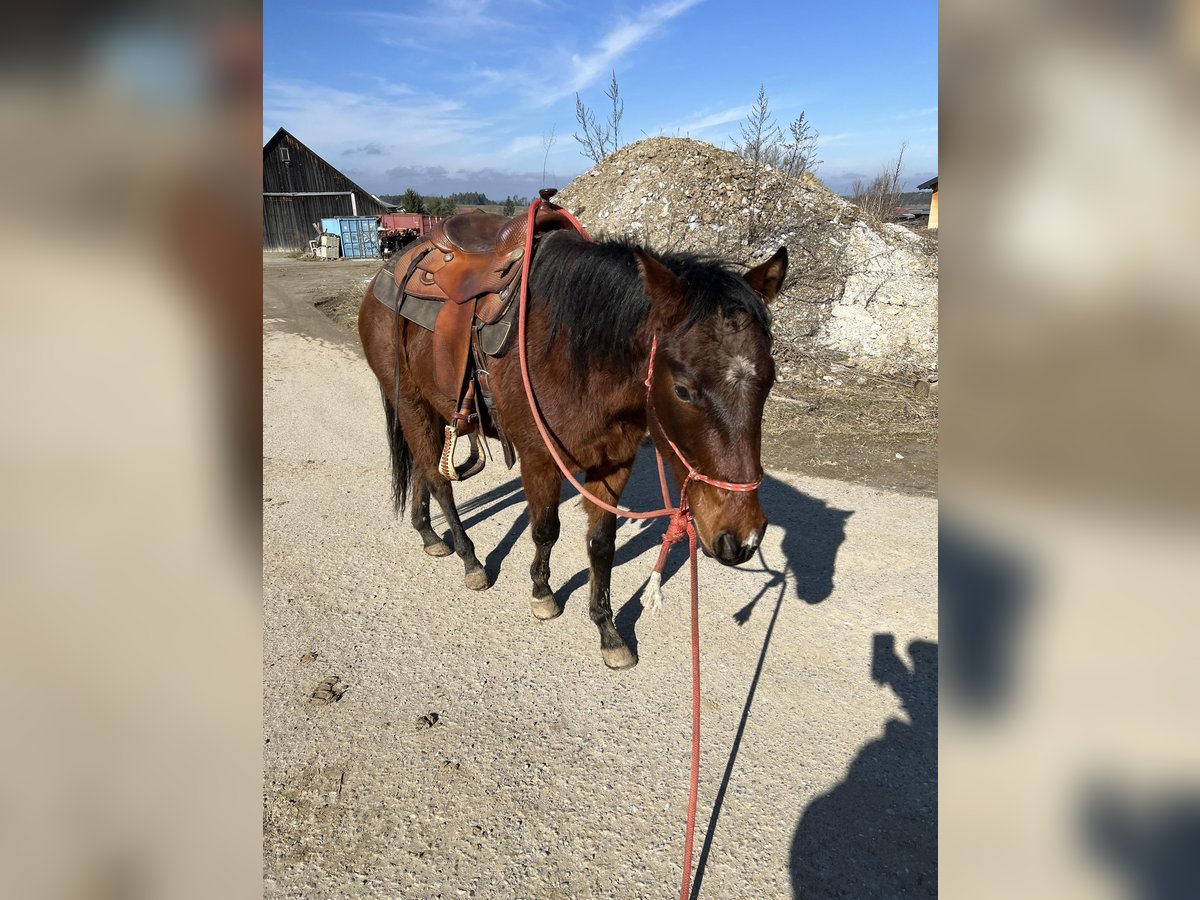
(798, 155)
(618, 109)
(548, 142)
(763, 142)
(764, 146)
(878, 198)
(594, 140)
(759, 131)
(599, 139)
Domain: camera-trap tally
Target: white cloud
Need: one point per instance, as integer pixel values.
(517, 145)
(447, 18)
(701, 121)
(912, 114)
(333, 120)
(539, 79)
(379, 130)
(625, 37)
(840, 137)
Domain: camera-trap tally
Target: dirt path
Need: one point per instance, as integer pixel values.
(544, 774)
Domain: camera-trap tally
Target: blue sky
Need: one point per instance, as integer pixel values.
(460, 96)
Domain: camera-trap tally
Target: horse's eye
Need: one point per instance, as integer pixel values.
(683, 393)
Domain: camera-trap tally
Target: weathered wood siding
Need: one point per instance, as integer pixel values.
(288, 221)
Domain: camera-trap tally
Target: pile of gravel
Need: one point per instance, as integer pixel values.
(865, 292)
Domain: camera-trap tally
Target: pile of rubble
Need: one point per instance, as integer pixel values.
(866, 293)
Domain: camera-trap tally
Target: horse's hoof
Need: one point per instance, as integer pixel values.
(545, 609)
(438, 548)
(478, 580)
(618, 657)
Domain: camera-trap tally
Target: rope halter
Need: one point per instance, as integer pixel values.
(683, 519)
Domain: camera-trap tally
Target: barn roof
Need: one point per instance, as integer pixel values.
(279, 135)
(930, 185)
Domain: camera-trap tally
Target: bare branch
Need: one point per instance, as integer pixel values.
(599, 140)
(618, 110)
(548, 142)
(596, 139)
(879, 198)
(759, 131)
(799, 155)
(774, 161)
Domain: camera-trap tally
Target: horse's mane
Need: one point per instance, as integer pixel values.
(593, 291)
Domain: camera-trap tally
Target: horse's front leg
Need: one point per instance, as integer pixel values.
(606, 485)
(542, 485)
(477, 578)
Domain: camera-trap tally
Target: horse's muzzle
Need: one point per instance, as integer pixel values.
(731, 551)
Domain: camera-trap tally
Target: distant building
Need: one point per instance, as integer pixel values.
(931, 185)
(300, 188)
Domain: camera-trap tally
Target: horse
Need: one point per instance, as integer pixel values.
(595, 310)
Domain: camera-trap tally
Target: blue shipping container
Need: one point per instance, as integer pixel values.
(360, 237)
(330, 226)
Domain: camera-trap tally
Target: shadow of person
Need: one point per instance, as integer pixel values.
(1149, 841)
(874, 835)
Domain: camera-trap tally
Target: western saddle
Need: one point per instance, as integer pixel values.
(463, 276)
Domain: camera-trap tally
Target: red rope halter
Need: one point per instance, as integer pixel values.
(682, 520)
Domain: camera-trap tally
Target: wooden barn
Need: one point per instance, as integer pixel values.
(931, 185)
(300, 188)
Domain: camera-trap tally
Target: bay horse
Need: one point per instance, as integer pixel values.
(594, 309)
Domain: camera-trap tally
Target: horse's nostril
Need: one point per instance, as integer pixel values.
(727, 546)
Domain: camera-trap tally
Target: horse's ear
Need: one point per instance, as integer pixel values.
(665, 289)
(767, 277)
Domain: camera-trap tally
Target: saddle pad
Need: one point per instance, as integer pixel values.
(496, 339)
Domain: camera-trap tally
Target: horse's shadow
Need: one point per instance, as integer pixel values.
(984, 592)
(485, 505)
(812, 533)
(894, 776)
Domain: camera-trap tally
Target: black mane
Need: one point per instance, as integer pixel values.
(594, 292)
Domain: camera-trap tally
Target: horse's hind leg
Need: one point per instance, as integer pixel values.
(477, 579)
(601, 544)
(433, 543)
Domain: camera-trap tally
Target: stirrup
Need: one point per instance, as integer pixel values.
(472, 466)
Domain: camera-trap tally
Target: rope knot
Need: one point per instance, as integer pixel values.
(678, 526)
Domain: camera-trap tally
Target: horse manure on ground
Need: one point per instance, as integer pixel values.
(330, 690)
(426, 721)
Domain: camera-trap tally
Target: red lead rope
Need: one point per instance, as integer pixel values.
(682, 521)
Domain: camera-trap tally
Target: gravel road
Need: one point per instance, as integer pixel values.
(457, 747)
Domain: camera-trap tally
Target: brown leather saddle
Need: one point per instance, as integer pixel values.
(456, 282)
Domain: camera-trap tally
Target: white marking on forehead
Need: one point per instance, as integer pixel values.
(740, 371)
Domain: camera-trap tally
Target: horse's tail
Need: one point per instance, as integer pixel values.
(401, 455)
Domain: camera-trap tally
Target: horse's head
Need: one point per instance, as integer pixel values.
(712, 372)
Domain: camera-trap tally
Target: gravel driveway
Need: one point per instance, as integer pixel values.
(457, 747)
